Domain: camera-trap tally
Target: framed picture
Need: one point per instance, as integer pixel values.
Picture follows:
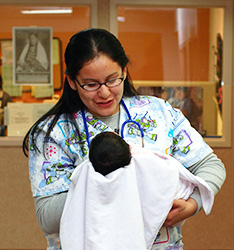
(32, 53)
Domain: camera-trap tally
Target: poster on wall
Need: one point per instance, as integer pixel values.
(32, 54)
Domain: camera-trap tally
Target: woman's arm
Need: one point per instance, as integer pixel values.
(49, 211)
(50, 174)
(212, 170)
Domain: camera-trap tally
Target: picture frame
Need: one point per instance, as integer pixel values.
(32, 54)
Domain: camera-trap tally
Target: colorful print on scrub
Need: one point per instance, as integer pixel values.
(165, 129)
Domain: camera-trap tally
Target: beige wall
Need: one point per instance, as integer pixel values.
(215, 231)
(18, 225)
(19, 228)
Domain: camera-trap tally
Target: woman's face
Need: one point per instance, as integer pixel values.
(33, 39)
(104, 101)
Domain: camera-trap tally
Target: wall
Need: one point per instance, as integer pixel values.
(161, 49)
(216, 230)
(18, 225)
(19, 228)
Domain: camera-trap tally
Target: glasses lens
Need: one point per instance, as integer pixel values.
(91, 86)
(114, 82)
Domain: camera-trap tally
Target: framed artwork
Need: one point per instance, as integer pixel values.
(32, 54)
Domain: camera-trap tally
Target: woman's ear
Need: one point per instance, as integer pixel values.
(71, 83)
(125, 70)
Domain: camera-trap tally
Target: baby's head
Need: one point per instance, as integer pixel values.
(108, 152)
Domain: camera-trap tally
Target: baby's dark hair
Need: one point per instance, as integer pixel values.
(108, 152)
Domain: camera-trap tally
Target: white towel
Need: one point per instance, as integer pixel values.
(125, 209)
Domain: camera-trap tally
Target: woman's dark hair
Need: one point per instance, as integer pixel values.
(82, 47)
(108, 152)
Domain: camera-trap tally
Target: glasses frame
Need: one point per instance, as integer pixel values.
(100, 84)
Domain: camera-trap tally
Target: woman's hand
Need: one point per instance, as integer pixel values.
(181, 210)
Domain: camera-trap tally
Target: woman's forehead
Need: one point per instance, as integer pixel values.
(100, 65)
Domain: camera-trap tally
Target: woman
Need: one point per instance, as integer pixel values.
(33, 57)
(99, 96)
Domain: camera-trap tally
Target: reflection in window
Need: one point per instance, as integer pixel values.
(188, 99)
(177, 47)
(63, 25)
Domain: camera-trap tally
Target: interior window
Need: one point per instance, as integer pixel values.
(63, 21)
(176, 53)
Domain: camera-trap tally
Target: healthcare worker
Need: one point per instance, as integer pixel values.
(99, 96)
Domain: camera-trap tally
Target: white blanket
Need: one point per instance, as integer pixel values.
(125, 209)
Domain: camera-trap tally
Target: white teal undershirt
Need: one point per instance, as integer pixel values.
(111, 121)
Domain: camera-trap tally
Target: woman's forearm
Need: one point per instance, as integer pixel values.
(49, 211)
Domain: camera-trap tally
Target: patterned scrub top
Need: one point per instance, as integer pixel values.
(165, 129)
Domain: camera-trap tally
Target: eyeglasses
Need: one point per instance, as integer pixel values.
(92, 86)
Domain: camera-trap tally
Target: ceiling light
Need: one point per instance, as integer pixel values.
(121, 19)
(48, 11)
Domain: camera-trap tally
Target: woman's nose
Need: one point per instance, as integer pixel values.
(103, 92)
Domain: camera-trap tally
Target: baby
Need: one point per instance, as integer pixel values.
(123, 190)
(108, 152)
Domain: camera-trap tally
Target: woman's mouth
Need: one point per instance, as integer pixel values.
(105, 104)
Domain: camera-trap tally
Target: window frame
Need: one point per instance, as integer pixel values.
(17, 140)
(227, 5)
